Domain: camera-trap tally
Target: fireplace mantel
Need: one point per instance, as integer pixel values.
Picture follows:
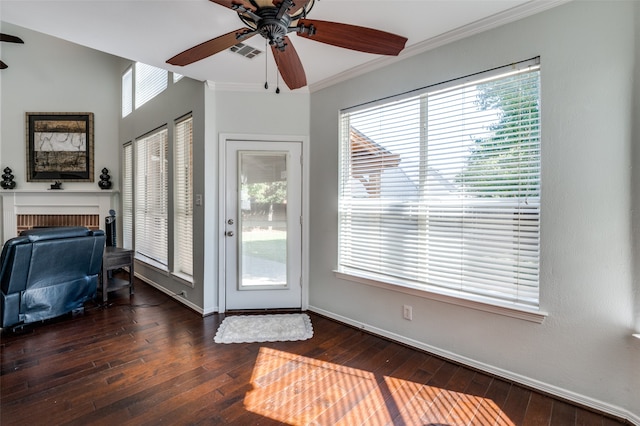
(53, 202)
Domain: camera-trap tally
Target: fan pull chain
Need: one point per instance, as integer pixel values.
(266, 60)
(278, 83)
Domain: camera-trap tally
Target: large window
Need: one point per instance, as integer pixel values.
(151, 197)
(183, 197)
(127, 92)
(150, 81)
(127, 195)
(440, 188)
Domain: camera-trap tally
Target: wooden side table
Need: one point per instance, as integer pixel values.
(114, 258)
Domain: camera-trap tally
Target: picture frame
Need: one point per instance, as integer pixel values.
(59, 146)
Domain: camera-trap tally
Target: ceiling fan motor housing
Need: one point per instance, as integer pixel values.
(273, 27)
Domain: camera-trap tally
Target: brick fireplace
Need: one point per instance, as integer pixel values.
(29, 221)
(25, 209)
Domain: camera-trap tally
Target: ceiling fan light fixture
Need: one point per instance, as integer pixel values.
(273, 20)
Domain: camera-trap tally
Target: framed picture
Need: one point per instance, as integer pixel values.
(59, 146)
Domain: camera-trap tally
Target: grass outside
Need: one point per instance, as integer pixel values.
(265, 244)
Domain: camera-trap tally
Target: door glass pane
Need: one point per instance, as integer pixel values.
(263, 220)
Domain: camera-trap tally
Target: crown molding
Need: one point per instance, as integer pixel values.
(514, 14)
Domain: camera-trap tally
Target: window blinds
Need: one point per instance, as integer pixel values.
(151, 197)
(440, 189)
(127, 92)
(183, 196)
(150, 81)
(127, 196)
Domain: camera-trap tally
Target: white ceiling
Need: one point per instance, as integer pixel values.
(151, 31)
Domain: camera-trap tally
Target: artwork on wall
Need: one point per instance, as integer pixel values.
(59, 146)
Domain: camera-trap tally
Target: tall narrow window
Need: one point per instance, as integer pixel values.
(183, 196)
(127, 196)
(127, 92)
(151, 197)
(440, 190)
(150, 81)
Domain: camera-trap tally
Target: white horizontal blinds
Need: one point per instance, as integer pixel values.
(151, 195)
(127, 196)
(380, 190)
(458, 203)
(150, 81)
(127, 92)
(184, 196)
(483, 231)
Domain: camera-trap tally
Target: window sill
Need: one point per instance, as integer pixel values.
(152, 263)
(183, 279)
(478, 304)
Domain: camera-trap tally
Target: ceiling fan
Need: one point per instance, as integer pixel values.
(10, 39)
(274, 19)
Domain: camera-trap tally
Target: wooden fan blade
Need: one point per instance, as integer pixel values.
(230, 3)
(299, 4)
(3, 65)
(354, 37)
(208, 48)
(289, 65)
(10, 38)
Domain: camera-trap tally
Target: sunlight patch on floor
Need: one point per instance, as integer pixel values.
(298, 390)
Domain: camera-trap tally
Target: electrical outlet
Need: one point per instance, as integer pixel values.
(407, 312)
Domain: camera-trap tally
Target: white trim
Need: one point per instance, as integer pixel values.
(462, 300)
(65, 201)
(186, 280)
(487, 368)
(222, 155)
(485, 24)
(171, 294)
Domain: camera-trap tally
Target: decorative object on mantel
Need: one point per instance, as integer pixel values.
(56, 185)
(7, 179)
(59, 146)
(105, 179)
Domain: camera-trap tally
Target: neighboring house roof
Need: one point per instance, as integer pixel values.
(375, 168)
(368, 155)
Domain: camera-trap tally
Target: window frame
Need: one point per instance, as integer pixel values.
(183, 211)
(151, 254)
(436, 292)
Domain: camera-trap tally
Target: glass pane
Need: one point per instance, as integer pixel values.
(263, 219)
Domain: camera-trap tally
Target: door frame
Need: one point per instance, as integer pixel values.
(224, 138)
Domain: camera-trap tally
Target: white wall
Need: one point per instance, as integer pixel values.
(583, 350)
(47, 74)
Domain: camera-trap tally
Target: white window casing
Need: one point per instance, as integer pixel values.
(440, 188)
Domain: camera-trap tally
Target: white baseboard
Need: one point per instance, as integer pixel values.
(180, 299)
(491, 369)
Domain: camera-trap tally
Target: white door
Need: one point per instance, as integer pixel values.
(262, 226)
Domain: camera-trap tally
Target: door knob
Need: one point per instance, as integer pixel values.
(229, 233)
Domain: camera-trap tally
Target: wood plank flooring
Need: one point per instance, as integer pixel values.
(150, 361)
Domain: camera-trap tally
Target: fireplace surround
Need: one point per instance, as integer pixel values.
(24, 209)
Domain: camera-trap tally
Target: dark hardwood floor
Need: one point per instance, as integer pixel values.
(149, 361)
